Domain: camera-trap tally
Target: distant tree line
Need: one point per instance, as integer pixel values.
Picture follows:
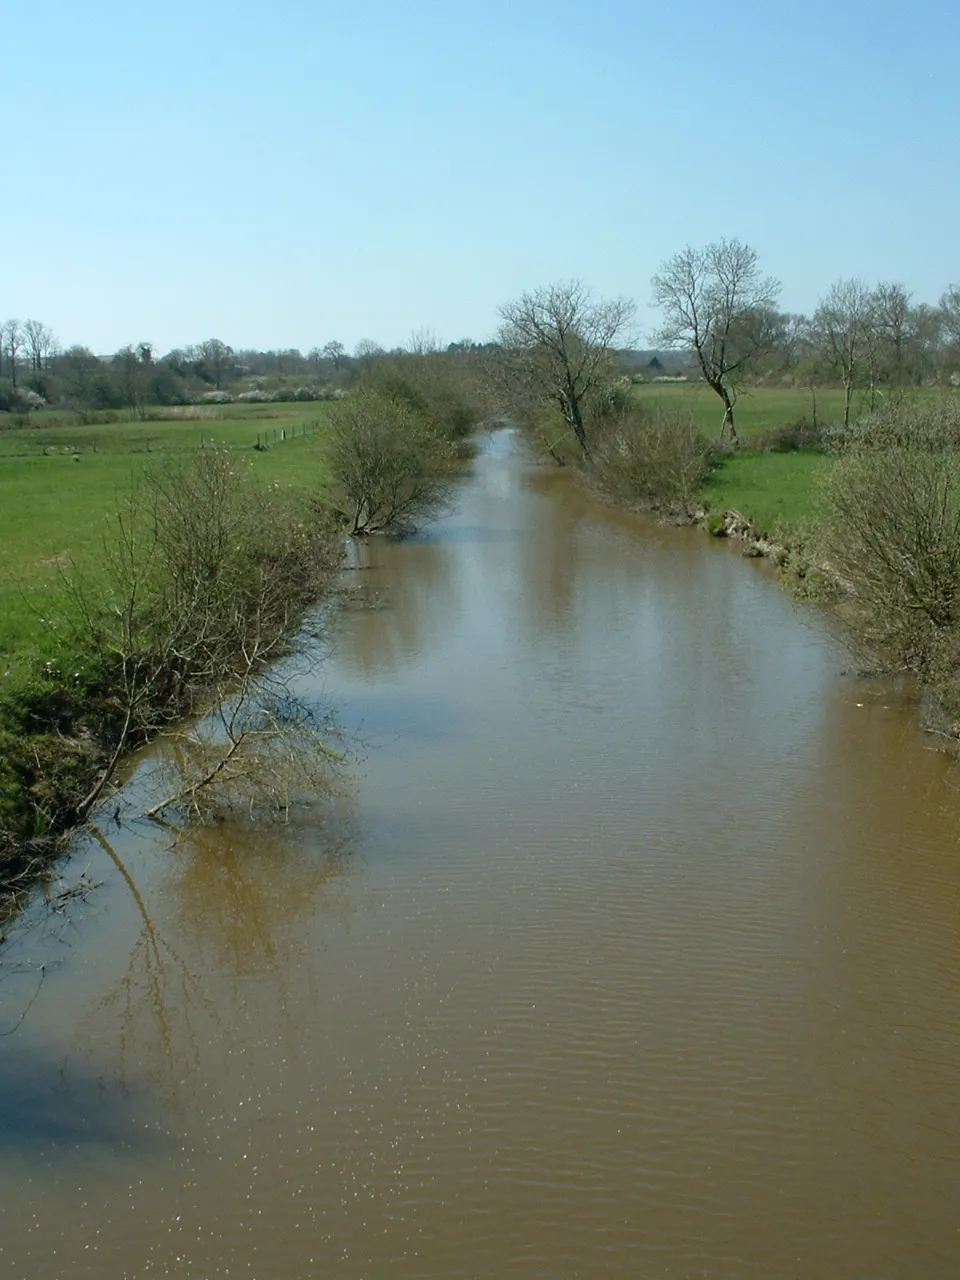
(719, 308)
(719, 316)
(562, 350)
(37, 371)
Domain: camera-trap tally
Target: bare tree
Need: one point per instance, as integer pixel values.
(39, 341)
(925, 350)
(335, 351)
(424, 342)
(950, 322)
(367, 351)
(12, 336)
(131, 367)
(718, 306)
(842, 328)
(557, 345)
(218, 358)
(893, 318)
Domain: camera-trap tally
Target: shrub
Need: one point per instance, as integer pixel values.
(18, 399)
(96, 417)
(429, 388)
(654, 459)
(787, 438)
(207, 579)
(257, 397)
(389, 465)
(216, 397)
(890, 540)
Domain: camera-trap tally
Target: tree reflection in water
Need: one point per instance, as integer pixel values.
(233, 909)
(405, 596)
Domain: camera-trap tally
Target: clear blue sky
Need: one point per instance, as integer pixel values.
(279, 174)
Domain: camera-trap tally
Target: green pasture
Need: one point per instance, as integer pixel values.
(777, 492)
(59, 485)
(230, 426)
(758, 409)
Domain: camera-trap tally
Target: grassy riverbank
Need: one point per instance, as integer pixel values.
(759, 409)
(153, 572)
(777, 492)
(213, 566)
(59, 485)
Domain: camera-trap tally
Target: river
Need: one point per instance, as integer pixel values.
(631, 950)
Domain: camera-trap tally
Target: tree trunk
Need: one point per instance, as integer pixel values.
(727, 425)
(847, 393)
(575, 418)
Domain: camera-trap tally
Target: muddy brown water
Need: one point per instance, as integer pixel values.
(635, 952)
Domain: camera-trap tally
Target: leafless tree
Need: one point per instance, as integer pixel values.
(12, 338)
(557, 345)
(39, 341)
(925, 351)
(132, 370)
(367, 352)
(219, 359)
(718, 306)
(893, 318)
(424, 342)
(949, 315)
(335, 351)
(842, 327)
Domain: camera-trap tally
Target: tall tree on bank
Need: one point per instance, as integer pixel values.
(718, 306)
(843, 328)
(557, 345)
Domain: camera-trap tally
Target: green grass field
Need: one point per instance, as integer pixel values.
(757, 410)
(777, 492)
(60, 484)
(232, 426)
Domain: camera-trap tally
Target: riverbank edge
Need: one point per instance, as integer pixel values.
(77, 764)
(735, 525)
(795, 570)
(67, 722)
(800, 572)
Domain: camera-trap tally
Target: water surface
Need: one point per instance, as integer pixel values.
(634, 953)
